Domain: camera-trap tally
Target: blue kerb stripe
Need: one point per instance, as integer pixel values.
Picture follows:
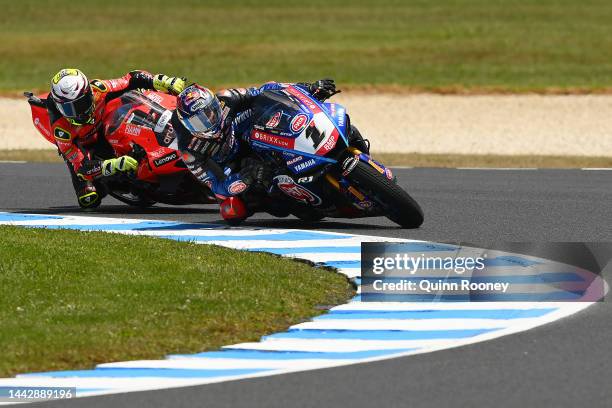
(25, 217)
(510, 261)
(294, 355)
(547, 277)
(378, 334)
(285, 236)
(144, 372)
(341, 264)
(506, 297)
(416, 247)
(498, 314)
(303, 250)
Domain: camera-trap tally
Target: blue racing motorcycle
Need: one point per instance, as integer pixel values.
(320, 173)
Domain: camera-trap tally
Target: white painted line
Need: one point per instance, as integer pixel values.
(420, 306)
(498, 168)
(13, 161)
(199, 363)
(406, 324)
(597, 168)
(340, 346)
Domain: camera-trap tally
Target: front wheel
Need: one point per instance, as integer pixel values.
(399, 206)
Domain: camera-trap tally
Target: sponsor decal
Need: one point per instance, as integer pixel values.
(72, 156)
(158, 153)
(166, 159)
(64, 72)
(294, 160)
(389, 174)
(155, 97)
(163, 121)
(299, 122)
(341, 116)
(200, 104)
(169, 136)
(377, 166)
(274, 120)
(303, 166)
(365, 204)
(272, 139)
(329, 144)
(300, 193)
(237, 187)
(132, 130)
(61, 134)
(303, 99)
(98, 85)
(349, 164)
(305, 180)
(41, 127)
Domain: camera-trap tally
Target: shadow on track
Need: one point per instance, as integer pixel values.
(294, 223)
(117, 209)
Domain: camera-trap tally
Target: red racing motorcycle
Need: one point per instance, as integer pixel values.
(138, 124)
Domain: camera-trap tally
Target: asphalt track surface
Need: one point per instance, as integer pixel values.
(565, 363)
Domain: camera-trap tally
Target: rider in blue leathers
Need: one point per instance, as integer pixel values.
(212, 133)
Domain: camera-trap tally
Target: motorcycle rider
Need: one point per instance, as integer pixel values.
(210, 129)
(75, 108)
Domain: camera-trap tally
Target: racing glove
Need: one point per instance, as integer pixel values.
(171, 85)
(255, 173)
(323, 89)
(122, 164)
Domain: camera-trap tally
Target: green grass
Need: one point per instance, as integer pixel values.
(517, 45)
(72, 299)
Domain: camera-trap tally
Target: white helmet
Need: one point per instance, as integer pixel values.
(73, 97)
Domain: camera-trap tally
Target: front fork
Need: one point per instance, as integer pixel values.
(343, 185)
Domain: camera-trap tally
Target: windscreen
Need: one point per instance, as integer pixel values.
(137, 109)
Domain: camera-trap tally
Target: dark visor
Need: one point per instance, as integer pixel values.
(80, 109)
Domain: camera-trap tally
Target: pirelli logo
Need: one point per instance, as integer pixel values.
(61, 134)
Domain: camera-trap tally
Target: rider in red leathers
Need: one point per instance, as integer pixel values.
(75, 106)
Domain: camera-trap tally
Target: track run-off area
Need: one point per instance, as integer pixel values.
(503, 205)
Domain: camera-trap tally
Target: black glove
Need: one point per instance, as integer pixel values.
(323, 89)
(255, 173)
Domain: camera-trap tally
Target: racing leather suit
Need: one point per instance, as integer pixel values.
(218, 165)
(76, 144)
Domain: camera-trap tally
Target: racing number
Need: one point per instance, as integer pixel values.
(315, 136)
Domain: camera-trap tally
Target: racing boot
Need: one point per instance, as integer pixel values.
(357, 141)
(88, 197)
(87, 194)
(233, 210)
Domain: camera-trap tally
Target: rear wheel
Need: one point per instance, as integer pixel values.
(399, 206)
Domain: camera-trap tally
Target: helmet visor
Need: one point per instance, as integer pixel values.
(78, 110)
(206, 121)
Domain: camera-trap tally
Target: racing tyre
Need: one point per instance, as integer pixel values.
(399, 206)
